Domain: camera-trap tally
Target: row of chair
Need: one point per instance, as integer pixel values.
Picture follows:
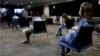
(83, 40)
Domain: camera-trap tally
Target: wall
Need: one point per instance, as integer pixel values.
(72, 8)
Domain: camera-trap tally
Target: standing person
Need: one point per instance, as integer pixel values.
(15, 19)
(86, 13)
(63, 25)
(28, 33)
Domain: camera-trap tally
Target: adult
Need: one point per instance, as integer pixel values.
(30, 30)
(86, 13)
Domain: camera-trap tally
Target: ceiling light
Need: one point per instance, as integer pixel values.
(54, 6)
(6, 2)
(31, 2)
(99, 2)
(18, 5)
(21, 3)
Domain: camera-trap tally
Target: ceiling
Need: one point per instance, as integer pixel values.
(33, 2)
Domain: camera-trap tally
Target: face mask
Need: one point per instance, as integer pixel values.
(80, 11)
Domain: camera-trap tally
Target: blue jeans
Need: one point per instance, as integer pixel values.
(63, 50)
(15, 23)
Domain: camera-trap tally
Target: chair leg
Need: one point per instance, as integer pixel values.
(97, 43)
(40, 37)
(34, 37)
(58, 50)
(37, 38)
(74, 53)
(48, 39)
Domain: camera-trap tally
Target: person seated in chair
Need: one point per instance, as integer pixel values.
(86, 13)
(30, 30)
(63, 25)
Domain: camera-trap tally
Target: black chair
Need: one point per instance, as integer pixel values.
(40, 27)
(49, 21)
(82, 41)
(29, 19)
(70, 23)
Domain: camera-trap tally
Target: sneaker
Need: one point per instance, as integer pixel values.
(67, 54)
(26, 42)
(59, 35)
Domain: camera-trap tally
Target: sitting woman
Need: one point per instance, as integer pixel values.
(63, 25)
(28, 31)
(86, 13)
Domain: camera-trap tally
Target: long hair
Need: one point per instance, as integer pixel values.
(86, 9)
(64, 16)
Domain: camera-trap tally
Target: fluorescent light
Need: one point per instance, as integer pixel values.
(19, 11)
(21, 3)
(54, 6)
(31, 2)
(99, 2)
(6, 2)
(3, 10)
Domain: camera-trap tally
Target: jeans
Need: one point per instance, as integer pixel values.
(64, 50)
(15, 23)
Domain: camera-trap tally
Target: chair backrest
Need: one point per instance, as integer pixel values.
(49, 21)
(39, 27)
(70, 23)
(84, 37)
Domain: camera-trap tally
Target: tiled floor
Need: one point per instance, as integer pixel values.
(11, 43)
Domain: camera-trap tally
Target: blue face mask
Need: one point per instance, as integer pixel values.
(80, 11)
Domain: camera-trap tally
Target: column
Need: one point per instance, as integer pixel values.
(46, 10)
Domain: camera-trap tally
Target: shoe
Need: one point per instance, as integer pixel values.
(67, 53)
(26, 42)
(59, 35)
